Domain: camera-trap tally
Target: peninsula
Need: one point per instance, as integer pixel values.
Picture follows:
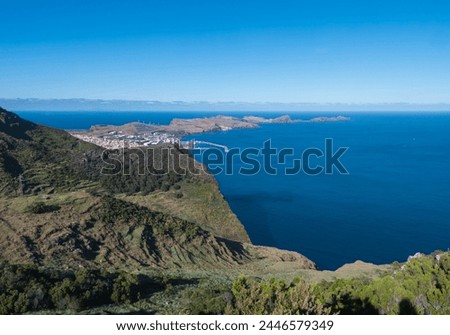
(137, 134)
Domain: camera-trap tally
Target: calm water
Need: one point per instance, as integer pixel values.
(394, 202)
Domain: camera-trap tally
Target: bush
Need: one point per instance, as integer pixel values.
(63, 295)
(125, 288)
(206, 300)
(40, 208)
(252, 296)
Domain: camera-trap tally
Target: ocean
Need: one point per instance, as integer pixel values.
(393, 202)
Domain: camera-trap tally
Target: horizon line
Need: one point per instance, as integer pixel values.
(91, 104)
(178, 101)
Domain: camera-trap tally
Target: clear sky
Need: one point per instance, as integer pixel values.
(281, 51)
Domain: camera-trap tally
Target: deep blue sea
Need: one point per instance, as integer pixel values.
(394, 202)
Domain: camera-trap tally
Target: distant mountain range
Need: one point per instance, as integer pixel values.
(154, 105)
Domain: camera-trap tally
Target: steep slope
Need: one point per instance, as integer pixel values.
(60, 209)
(33, 156)
(103, 231)
(37, 159)
(76, 229)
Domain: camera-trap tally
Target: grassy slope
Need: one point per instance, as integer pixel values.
(86, 230)
(200, 202)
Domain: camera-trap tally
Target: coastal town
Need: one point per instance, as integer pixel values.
(119, 140)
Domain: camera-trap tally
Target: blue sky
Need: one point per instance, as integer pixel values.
(279, 51)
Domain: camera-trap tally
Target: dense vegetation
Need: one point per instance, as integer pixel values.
(26, 288)
(421, 286)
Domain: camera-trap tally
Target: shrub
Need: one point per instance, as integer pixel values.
(206, 300)
(125, 288)
(41, 207)
(252, 296)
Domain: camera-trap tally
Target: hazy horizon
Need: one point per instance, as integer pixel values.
(80, 104)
